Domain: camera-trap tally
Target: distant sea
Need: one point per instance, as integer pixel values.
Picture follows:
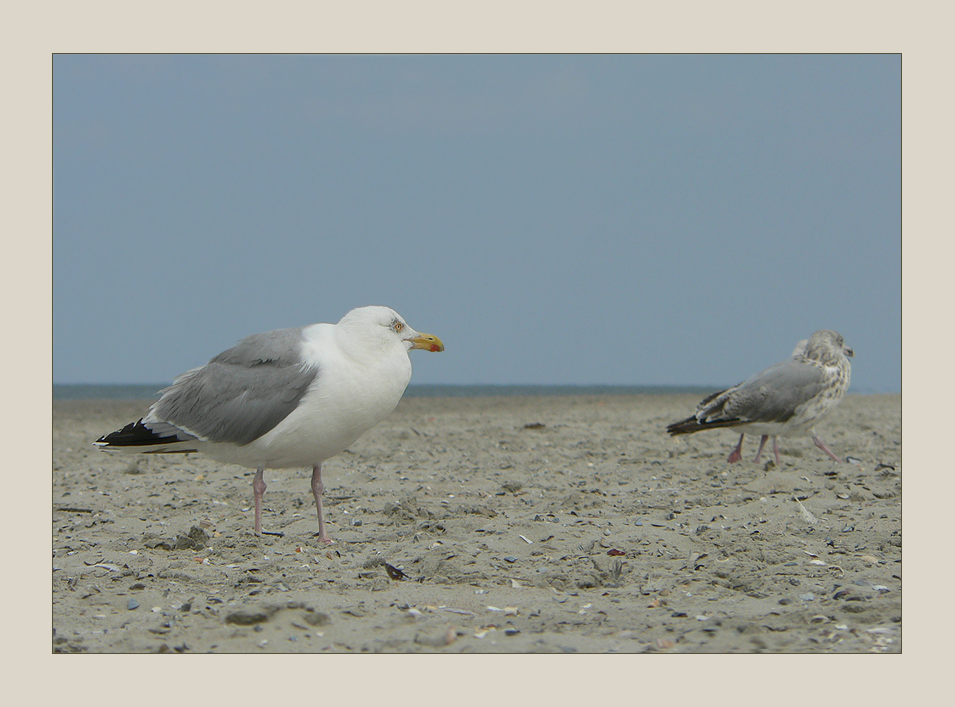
(84, 391)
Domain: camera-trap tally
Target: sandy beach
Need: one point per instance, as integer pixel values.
(488, 525)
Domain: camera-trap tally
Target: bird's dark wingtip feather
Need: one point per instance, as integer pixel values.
(135, 434)
(691, 424)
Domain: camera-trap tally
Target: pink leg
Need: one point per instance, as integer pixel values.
(762, 443)
(318, 488)
(823, 447)
(776, 450)
(737, 453)
(258, 488)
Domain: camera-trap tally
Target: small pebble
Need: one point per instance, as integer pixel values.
(317, 618)
(247, 617)
(132, 604)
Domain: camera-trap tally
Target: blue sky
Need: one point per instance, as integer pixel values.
(626, 219)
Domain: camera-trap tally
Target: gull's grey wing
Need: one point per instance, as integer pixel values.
(774, 394)
(281, 347)
(242, 393)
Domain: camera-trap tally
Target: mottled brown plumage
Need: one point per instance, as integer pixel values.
(786, 399)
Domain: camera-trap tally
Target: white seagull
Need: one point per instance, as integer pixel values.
(285, 398)
(785, 399)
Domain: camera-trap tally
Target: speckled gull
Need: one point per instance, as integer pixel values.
(786, 399)
(285, 398)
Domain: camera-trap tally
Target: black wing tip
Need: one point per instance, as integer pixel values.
(135, 434)
(684, 427)
(691, 425)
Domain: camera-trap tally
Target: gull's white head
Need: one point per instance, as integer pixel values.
(384, 327)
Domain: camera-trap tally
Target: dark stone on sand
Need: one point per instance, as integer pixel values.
(247, 617)
(317, 618)
(154, 543)
(195, 539)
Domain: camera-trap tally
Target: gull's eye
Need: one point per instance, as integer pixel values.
(398, 326)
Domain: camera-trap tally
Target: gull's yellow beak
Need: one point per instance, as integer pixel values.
(427, 342)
